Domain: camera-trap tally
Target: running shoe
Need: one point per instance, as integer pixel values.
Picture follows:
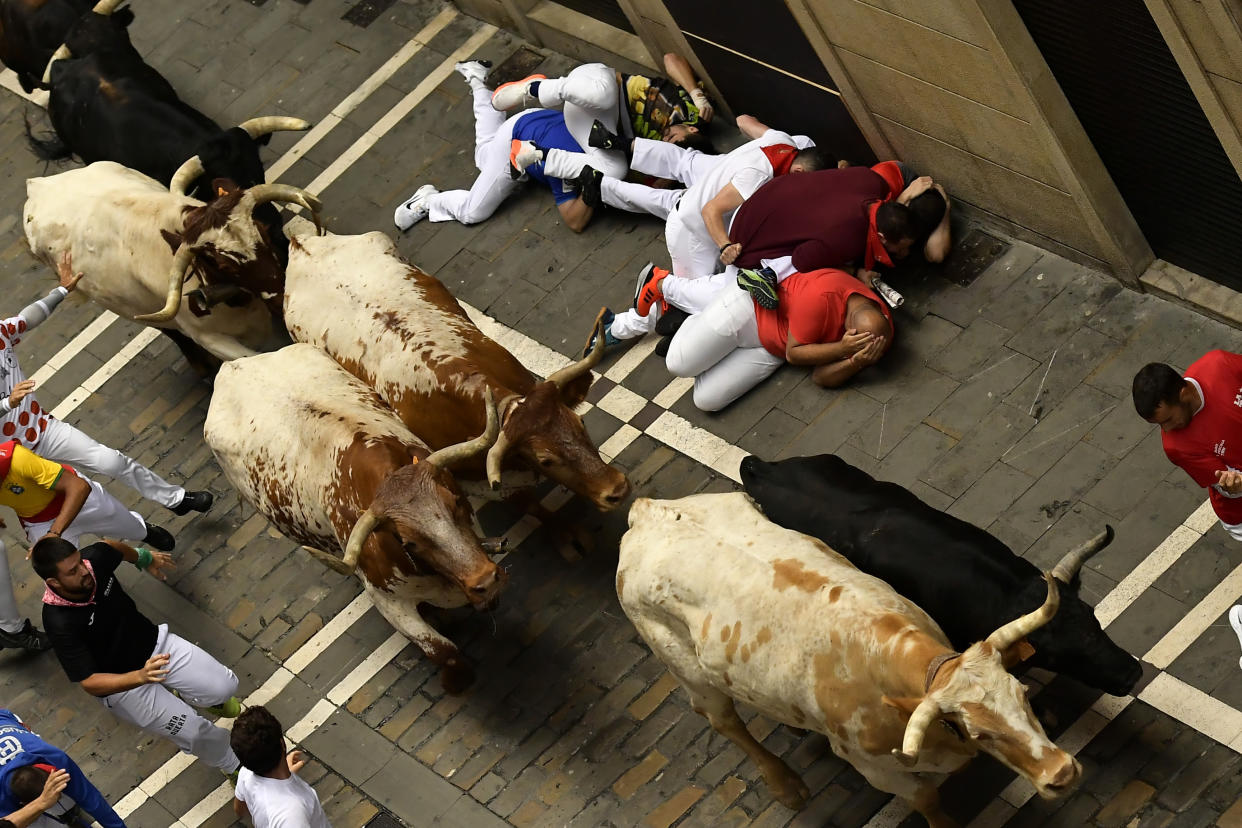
(760, 283)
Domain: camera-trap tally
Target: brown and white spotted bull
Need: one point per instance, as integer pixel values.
(401, 332)
(143, 246)
(322, 457)
(739, 608)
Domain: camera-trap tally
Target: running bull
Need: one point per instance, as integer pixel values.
(138, 243)
(964, 577)
(741, 609)
(401, 332)
(321, 456)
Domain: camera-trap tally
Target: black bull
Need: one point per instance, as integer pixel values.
(967, 580)
(30, 30)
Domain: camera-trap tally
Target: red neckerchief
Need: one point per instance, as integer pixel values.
(781, 156)
(52, 599)
(875, 251)
(891, 173)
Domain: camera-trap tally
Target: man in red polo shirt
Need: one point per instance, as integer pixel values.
(826, 319)
(1200, 419)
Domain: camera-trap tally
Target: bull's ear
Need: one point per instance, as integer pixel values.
(1020, 651)
(575, 391)
(905, 704)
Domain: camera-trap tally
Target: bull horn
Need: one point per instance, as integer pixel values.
(176, 281)
(185, 175)
(1067, 568)
(106, 7)
(1021, 627)
(571, 372)
(287, 193)
(256, 128)
(451, 455)
(362, 530)
(916, 728)
(496, 455)
(62, 52)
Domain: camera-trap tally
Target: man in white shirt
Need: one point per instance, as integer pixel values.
(269, 791)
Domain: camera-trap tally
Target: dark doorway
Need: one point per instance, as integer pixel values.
(764, 66)
(1139, 112)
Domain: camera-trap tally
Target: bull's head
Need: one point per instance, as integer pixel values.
(988, 706)
(231, 154)
(222, 236)
(543, 430)
(97, 31)
(1093, 658)
(422, 506)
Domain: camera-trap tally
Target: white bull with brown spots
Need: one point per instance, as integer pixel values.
(322, 457)
(739, 608)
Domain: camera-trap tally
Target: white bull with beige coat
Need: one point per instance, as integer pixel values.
(739, 608)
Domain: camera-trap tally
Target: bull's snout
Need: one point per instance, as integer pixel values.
(615, 495)
(483, 591)
(1060, 782)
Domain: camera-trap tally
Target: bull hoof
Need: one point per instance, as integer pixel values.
(456, 676)
(791, 792)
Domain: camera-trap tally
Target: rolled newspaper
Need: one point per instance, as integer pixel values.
(892, 297)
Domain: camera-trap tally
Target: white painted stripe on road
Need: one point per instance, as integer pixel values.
(351, 101)
(1211, 717)
(104, 373)
(1196, 622)
(618, 442)
(74, 347)
(1145, 574)
(406, 105)
(365, 671)
(331, 631)
(203, 811)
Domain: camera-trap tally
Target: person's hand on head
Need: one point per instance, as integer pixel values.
(56, 782)
(855, 340)
(870, 353)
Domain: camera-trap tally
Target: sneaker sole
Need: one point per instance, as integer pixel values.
(522, 82)
(761, 291)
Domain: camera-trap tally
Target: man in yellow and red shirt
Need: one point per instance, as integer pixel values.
(53, 499)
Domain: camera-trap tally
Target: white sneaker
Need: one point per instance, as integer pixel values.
(514, 94)
(521, 155)
(473, 70)
(1235, 621)
(415, 209)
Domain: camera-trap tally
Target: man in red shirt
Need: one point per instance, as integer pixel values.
(826, 319)
(1200, 417)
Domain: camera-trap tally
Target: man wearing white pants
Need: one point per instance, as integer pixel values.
(131, 665)
(494, 139)
(826, 319)
(24, 420)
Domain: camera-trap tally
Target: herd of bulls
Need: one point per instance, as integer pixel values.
(391, 405)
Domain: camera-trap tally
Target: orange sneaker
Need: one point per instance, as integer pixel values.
(649, 289)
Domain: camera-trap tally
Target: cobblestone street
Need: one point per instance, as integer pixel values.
(1005, 402)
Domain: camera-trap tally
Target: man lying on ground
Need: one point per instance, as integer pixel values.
(826, 319)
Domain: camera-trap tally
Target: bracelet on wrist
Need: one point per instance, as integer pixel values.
(727, 245)
(144, 558)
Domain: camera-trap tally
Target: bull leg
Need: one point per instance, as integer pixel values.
(201, 361)
(918, 791)
(785, 785)
(400, 607)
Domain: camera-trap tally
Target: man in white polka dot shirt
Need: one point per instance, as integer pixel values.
(22, 418)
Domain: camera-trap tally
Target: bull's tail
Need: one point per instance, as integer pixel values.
(49, 148)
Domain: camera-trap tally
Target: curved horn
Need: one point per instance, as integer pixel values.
(185, 176)
(62, 52)
(106, 7)
(571, 372)
(256, 128)
(1068, 567)
(496, 455)
(450, 455)
(176, 280)
(286, 193)
(1021, 627)
(362, 530)
(916, 728)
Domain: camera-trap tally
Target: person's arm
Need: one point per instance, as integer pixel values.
(750, 126)
(821, 353)
(149, 560)
(576, 214)
(88, 796)
(725, 201)
(680, 72)
(940, 242)
(240, 809)
(40, 309)
(915, 189)
(105, 684)
(75, 490)
(835, 374)
(25, 816)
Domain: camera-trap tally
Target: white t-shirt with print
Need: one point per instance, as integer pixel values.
(280, 803)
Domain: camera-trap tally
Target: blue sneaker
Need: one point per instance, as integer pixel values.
(609, 339)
